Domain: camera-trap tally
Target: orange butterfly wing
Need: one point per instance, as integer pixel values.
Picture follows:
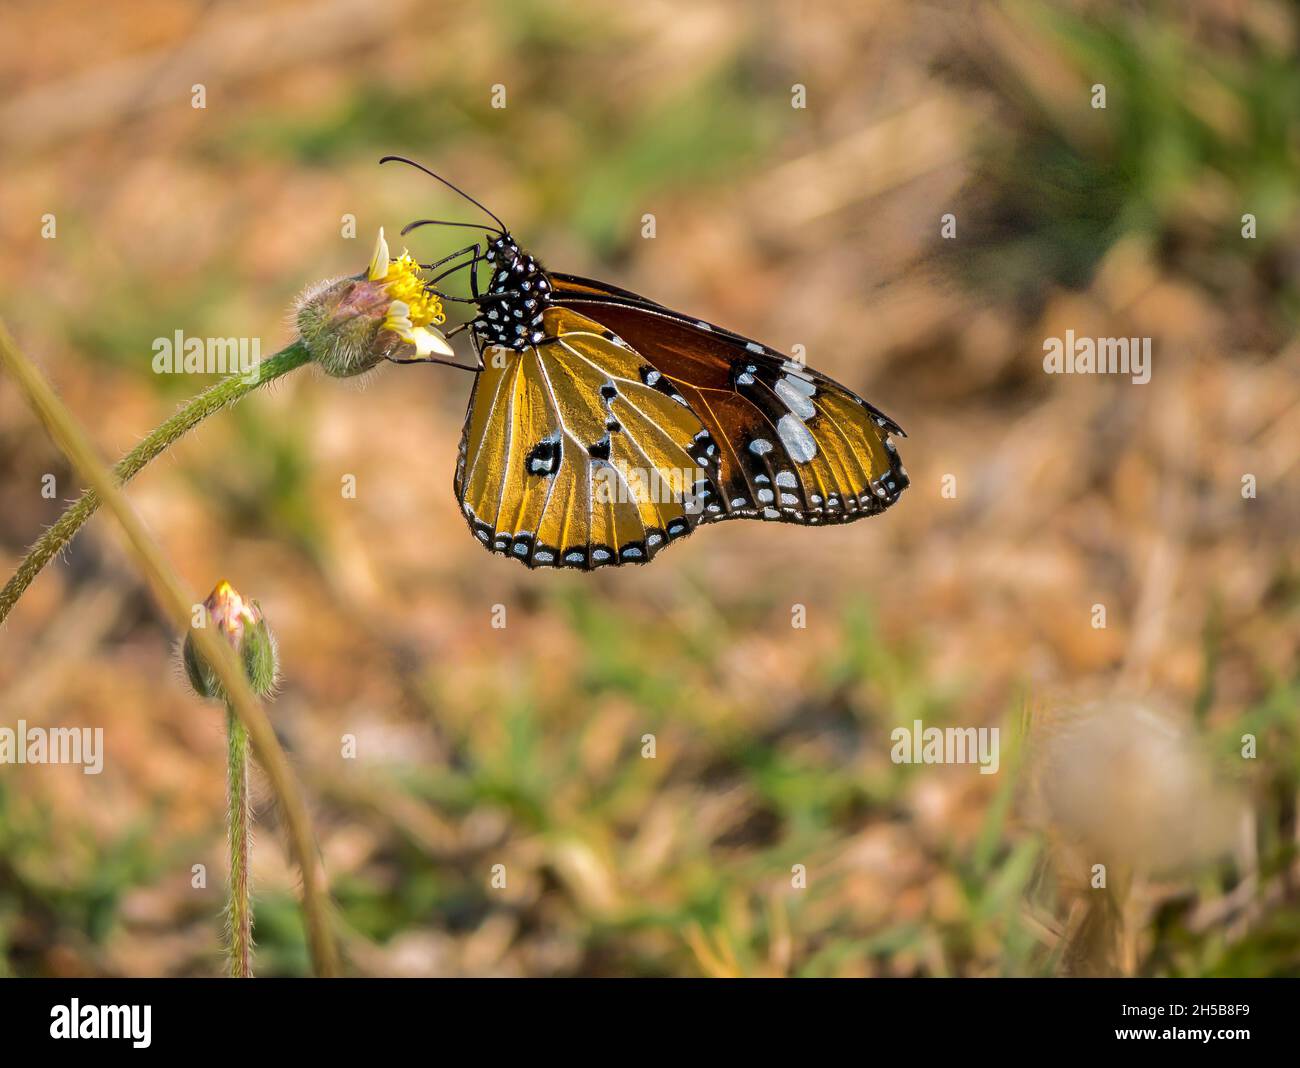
(632, 424)
(571, 458)
(795, 445)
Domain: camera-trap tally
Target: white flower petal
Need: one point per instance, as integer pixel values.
(429, 341)
(379, 261)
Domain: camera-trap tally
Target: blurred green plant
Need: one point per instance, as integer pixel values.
(1192, 137)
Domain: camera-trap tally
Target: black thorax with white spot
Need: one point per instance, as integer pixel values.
(510, 311)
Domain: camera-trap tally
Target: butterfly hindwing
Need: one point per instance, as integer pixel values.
(578, 453)
(793, 444)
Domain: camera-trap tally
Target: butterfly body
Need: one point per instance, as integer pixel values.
(510, 314)
(604, 426)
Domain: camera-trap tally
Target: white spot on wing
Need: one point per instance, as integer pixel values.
(797, 439)
(806, 386)
(795, 399)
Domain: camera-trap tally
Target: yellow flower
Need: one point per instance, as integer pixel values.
(413, 309)
(385, 313)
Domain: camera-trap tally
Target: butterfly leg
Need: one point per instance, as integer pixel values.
(478, 356)
(472, 261)
(474, 248)
(437, 359)
(453, 270)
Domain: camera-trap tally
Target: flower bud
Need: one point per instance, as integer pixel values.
(386, 312)
(240, 622)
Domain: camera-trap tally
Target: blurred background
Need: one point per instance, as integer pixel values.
(817, 227)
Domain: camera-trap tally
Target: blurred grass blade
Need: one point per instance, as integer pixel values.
(67, 434)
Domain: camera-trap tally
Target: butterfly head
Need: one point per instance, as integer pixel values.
(518, 290)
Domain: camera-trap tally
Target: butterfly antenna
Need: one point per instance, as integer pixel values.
(440, 222)
(454, 189)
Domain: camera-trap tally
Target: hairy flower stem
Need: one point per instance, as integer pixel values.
(178, 604)
(211, 400)
(239, 910)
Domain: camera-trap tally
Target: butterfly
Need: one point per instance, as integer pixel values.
(604, 426)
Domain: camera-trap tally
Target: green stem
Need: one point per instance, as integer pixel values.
(178, 603)
(211, 400)
(239, 910)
